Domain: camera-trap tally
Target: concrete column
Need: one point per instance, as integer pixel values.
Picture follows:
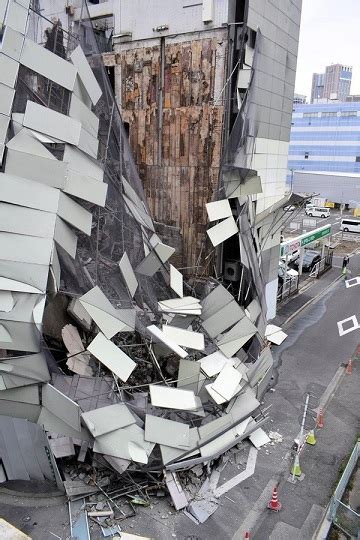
(301, 259)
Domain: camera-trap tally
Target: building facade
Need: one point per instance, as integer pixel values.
(337, 81)
(186, 59)
(299, 99)
(205, 89)
(334, 84)
(325, 137)
(317, 86)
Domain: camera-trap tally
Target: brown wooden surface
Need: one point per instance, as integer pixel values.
(184, 180)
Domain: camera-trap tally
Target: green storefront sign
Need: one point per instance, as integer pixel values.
(305, 240)
(315, 236)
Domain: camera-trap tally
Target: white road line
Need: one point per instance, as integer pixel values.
(340, 325)
(249, 471)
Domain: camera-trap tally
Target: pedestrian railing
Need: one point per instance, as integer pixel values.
(287, 289)
(322, 266)
(342, 515)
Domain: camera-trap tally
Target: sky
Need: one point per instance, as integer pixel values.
(329, 34)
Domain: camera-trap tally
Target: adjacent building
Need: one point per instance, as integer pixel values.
(299, 99)
(317, 87)
(325, 137)
(334, 84)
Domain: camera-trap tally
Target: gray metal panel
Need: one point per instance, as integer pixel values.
(24, 336)
(4, 124)
(223, 319)
(49, 65)
(62, 406)
(12, 43)
(16, 190)
(39, 169)
(74, 214)
(16, 16)
(188, 375)
(80, 162)
(20, 410)
(10, 451)
(26, 394)
(128, 274)
(24, 304)
(65, 237)
(8, 70)
(6, 99)
(167, 432)
(81, 112)
(35, 275)
(80, 92)
(27, 249)
(88, 143)
(3, 6)
(86, 75)
(32, 367)
(52, 123)
(28, 450)
(52, 422)
(107, 419)
(26, 142)
(22, 220)
(217, 299)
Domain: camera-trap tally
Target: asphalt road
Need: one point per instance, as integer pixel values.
(299, 222)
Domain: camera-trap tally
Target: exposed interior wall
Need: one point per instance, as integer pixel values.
(166, 89)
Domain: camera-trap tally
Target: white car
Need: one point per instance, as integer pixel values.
(292, 256)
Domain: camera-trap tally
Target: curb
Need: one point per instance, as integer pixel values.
(293, 315)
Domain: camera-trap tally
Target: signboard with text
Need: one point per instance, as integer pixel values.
(293, 245)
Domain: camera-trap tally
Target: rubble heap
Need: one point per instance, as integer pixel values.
(119, 372)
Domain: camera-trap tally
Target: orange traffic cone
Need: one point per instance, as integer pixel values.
(247, 536)
(349, 367)
(274, 504)
(320, 419)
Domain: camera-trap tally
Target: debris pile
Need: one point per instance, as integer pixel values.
(131, 372)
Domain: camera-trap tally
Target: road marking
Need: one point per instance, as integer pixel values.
(340, 324)
(249, 471)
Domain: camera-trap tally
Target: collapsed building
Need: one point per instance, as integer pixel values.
(109, 357)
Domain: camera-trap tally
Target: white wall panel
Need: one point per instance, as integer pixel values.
(86, 75)
(52, 123)
(8, 70)
(49, 65)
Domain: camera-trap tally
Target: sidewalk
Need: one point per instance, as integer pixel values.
(304, 504)
(310, 289)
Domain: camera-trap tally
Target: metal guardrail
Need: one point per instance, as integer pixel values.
(341, 514)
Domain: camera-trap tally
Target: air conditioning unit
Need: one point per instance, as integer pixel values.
(232, 270)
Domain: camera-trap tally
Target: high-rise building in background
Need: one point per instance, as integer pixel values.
(334, 84)
(337, 82)
(317, 87)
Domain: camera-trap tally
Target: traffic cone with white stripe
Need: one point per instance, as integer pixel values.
(247, 536)
(349, 367)
(274, 504)
(320, 419)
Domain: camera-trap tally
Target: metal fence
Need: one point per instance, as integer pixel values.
(322, 266)
(287, 289)
(341, 514)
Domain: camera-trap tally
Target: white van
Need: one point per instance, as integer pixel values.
(317, 211)
(350, 225)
